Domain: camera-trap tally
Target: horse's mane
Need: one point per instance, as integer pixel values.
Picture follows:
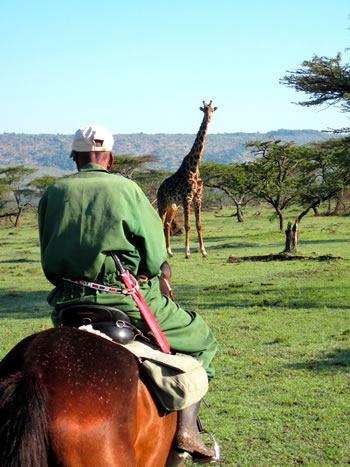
(23, 403)
(22, 439)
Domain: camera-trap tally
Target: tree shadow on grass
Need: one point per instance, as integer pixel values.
(263, 296)
(218, 238)
(235, 245)
(21, 260)
(24, 305)
(338, 359)
(310, 242)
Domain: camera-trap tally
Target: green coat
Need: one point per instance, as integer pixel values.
(85, 216)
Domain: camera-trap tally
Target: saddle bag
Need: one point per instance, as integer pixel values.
(113, 322)
(177, 381)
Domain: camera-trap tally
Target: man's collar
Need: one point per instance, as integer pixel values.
(92, 167)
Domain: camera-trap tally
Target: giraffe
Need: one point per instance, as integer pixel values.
(184, 187)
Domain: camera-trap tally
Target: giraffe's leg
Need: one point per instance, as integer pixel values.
(164, 213)
(197, 202)
(169, 217)
(187, 209)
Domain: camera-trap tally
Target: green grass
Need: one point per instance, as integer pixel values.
(281, 393)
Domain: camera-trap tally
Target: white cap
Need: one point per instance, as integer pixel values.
(84, 139)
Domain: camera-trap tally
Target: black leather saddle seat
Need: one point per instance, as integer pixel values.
(113, 322)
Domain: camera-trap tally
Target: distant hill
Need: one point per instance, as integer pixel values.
(50, 153)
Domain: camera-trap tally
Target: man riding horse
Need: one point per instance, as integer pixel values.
(85, 218)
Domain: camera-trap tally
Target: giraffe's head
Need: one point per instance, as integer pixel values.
(208, 109)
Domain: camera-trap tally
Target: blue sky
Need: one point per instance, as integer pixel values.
(146, 66)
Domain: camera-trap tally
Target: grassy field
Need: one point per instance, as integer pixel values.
(282, 390)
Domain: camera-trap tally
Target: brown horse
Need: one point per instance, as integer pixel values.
(71, 398)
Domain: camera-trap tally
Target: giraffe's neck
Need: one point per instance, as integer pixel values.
(193, 158)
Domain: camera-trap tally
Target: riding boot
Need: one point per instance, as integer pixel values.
(188, 438)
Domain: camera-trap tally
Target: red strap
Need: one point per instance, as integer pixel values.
(146, 312)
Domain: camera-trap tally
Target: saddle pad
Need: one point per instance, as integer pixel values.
(177, 380)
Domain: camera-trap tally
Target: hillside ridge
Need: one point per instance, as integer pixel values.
(50, 153)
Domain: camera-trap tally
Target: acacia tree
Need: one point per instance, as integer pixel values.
(41, 183)
(324, 173)
(274, 174)
(4, 189)
(14, 178)
(126, 165)
(325, 80)
(287, 174)
(232, 179)
(150, 180)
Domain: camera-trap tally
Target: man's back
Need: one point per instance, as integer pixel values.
(84, 216)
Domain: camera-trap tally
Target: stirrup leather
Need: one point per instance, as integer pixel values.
(216, 446)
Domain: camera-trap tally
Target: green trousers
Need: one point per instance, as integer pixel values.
(185, 331)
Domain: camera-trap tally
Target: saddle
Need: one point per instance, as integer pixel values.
(113, 322)
(175, 381)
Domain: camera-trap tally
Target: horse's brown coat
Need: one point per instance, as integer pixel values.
(97, 410)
